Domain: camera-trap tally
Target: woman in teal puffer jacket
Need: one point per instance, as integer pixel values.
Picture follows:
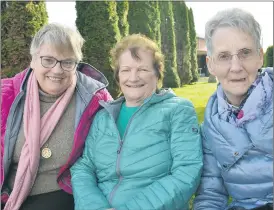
(143, 150)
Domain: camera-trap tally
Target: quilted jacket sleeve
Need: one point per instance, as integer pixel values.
(7, 97)
(211, 194)
(87, 196)
(175, 190)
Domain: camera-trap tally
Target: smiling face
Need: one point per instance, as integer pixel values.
(137, 78)
(235, 75)
(53, 81)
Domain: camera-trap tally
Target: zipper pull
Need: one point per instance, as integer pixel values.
(120, 147)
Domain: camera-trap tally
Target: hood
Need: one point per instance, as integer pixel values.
(113, 107)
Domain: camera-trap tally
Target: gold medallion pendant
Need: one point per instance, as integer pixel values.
(46, 152)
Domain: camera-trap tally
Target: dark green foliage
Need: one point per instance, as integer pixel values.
(268, 57)
(171, 78)
(20, 20)
(122, 12)
(97, 21)
(144, 18)
(193, 47)
(212, 79)
(182, 41)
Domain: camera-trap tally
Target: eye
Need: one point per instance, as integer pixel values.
(143, 69)
(245, 53)
(68, 63)
(48, 60)
(124, 70)
(224, 57)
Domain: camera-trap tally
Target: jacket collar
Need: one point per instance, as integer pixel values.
(113, 107)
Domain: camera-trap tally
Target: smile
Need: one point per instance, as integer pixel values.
(55, 79)
(134, 86)
(238, 80)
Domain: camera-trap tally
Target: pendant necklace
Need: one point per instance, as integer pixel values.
(46, 152)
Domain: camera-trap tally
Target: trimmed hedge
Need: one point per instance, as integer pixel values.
(122, 12)
(171, 78)
(20, 22)
(268, 57)
(193, 47)
(97, 21)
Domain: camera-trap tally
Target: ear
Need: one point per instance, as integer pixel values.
(261, 61)
(210, 65)
(32, 63)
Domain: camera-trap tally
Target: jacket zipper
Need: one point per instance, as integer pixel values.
(121, 142)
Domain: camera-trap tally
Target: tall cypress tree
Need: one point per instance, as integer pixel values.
(98, 24)
(184, 70)
(178, 10)
(268, 57)
(143, 17)
(122, 12)
(171, 78)
(193, 47)
(19, 23)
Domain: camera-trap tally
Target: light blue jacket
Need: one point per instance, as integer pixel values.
(238, 158)
(155, 165)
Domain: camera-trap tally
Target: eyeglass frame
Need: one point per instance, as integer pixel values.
(240, 58)
(58, 61)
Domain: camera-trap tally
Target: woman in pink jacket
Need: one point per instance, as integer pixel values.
(46, 112)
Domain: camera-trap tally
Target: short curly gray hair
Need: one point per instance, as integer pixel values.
(235, 18)
(62, 37)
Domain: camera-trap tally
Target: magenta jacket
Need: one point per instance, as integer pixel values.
(90, 88)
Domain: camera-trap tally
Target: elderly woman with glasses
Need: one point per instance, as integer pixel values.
(143, 151)
(46, 112)
(238, 125)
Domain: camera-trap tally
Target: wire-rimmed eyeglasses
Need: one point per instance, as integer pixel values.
(225, 58)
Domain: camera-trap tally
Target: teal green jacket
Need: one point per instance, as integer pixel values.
(155, 165)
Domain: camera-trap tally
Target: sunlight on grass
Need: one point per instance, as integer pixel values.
(199, 94)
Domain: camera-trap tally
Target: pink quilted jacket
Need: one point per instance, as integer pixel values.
(10, 88)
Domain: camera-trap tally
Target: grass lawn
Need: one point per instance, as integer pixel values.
(199, 94)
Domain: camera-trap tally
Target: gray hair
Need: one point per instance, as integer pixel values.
(235, 18)
(63, 38)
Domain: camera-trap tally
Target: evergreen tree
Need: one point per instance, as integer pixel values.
(97, 21)
(193, 47)
(19, 23)
(182, 41)
(122, 12)
(268, 57)
(144, 18)
(171, 78)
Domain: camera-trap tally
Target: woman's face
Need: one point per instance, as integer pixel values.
(55, 80)
(235, 61)
(137, 78)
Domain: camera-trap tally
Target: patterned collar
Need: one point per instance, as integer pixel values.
(246, 111)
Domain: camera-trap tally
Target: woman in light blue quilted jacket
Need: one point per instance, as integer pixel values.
(238, 125)
(144, 149)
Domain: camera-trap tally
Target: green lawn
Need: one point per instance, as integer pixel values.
(199, 94)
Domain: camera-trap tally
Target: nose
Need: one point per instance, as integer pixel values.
(236, 64)
(57, 69)
(133, 76)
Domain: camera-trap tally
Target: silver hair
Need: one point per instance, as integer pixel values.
(63, 38)
(235, 18)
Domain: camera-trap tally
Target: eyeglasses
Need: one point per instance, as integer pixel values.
(50, 62)
(225, 58)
